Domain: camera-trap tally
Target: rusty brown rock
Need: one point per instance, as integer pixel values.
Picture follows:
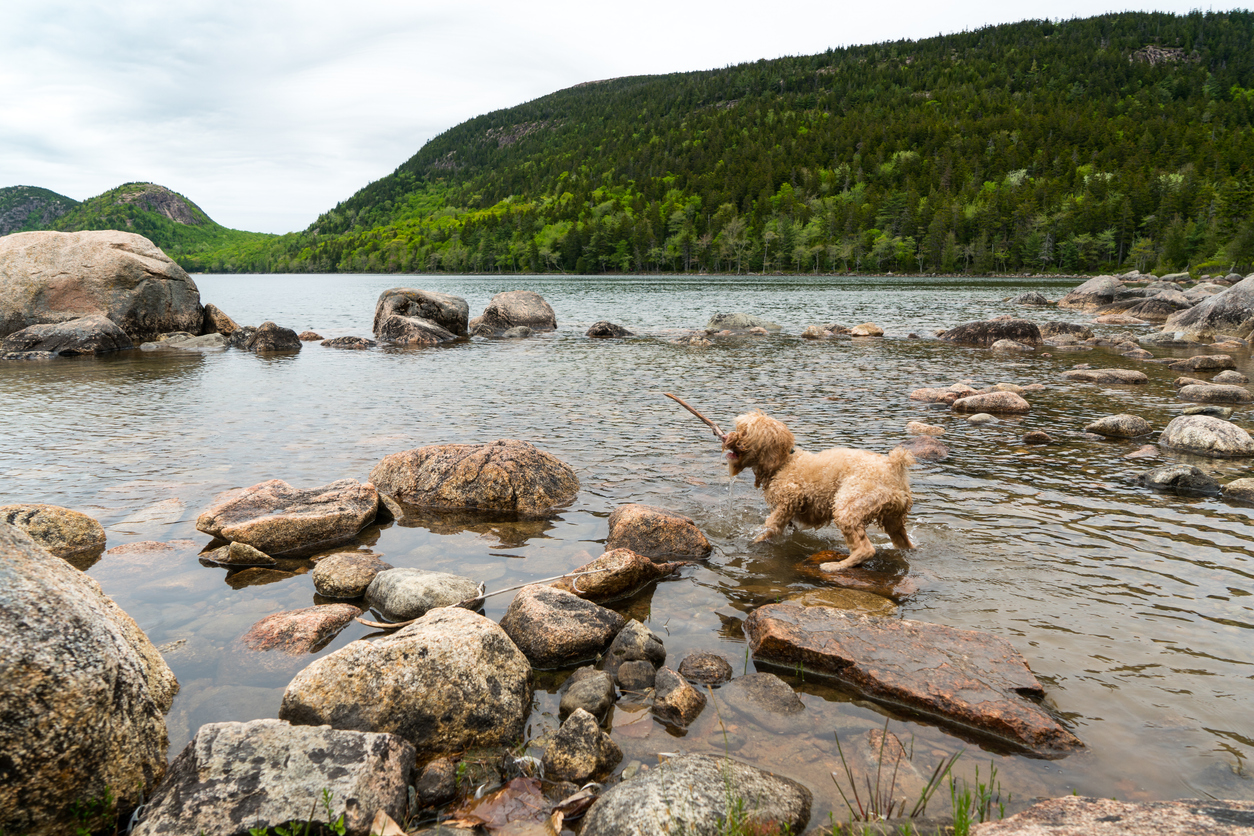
(300, 631)
(310, 336)
(217, 322)
(616, 574)
(1106, 376)
(1077, 815)
(278, 519)
(61, 531)
(656, 533)
(998, 403)
(974, 680)
(503, 475)
(554, 628)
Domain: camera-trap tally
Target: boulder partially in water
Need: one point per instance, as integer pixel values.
(997, 403)
(63, 532)
(738, 322)
(1181, 478)
(278, 519)
(554, 628)
(504, 475)
(93, 334)
(514, 308)
(983, 333)
(1214, 393)
(974, 680)
(605, 328)
(1093, 294)
(580, 751)
(1131, 376)
(1206, 435)
(1203, 363)
(217, 322)
(272, 338)
(656, 533)
(616, 574)
(1120, 426)
(61, 276)
(346, 575)
(84, 694)
(234, 779)
(407, 316)
(1228, 312)
(714, 791)
(674, 700)
(450, 681)
(408, 593)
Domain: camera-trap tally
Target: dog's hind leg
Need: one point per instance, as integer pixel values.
(895, 528)
(860, 548)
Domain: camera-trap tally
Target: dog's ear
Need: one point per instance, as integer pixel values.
(775, 442)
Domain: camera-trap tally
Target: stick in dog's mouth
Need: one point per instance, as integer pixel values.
(718, 433)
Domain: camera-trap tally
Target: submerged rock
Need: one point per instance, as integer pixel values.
(738, 322)
(554, 628)
(605, 328)
(504, 475)
(234, 778)
(656, 533)
(278, 519)
(715, 790)
(450, 681)
(61, 531)
(1206, 436)
(975, 680)
(1180, 478)
(926, 448)
(297, 632)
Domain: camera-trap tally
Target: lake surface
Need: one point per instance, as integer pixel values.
(1135, 609)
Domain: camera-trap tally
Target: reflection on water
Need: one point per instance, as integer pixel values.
(1136, 609)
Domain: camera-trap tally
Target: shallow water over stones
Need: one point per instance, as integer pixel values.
(1135, 609)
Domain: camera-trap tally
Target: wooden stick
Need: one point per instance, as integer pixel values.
(718, 433)
(396, 625)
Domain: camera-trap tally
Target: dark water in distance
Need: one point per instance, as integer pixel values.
(1135, 609)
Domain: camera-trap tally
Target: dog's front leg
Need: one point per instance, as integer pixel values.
(775, 523)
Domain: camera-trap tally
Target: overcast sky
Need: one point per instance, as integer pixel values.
(267, 113)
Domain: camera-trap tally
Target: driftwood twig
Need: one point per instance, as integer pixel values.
(718, 433)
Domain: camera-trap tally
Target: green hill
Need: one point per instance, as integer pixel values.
(169, 220)
(26, 208)
(1123, 140)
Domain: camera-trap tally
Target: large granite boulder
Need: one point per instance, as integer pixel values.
(554, 628)
(504, 475)
(1069, 329)
(1206, 435)
(697, 795)
(233, 778)
(1093, 294)
(406, 316)
(278, 519)
(408, 593)
(738, 322)
(83, 690)
(61, 531)
(974, 680)
(984, 333)
(94, 334)
(1229, 312)
(656, 533)
(449, 681)
(512, 309)
(1159, 308)
(1078, 815)
(59, 276)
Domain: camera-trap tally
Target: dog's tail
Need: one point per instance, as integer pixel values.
(901, 459)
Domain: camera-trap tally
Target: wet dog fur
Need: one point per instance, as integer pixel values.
(843, 487)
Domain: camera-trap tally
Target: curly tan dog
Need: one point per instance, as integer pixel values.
(851, 488)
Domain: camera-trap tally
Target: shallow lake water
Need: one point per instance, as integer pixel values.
(1135, 609)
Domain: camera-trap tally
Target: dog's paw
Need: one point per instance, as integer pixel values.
(763, 535)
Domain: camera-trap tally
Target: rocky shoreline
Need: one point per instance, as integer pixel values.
(385, 725)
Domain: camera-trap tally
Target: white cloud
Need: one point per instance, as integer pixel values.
(268, 112)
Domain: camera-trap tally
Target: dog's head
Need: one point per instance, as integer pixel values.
(758, 442)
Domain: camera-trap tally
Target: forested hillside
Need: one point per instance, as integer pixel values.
(1123, 140)
(25, 208)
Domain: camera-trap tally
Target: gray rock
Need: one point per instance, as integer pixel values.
(346, 575)
(239, 554)
(60, 276)
(589, 689)
(1241, 490)
(278, 519)
(674, 700)
(580, 751)
(1211, 393)
(984, 333)
(634, 643)
(1206, 436)
(239, 337)
(695, 795)
(1010, 345)
(517, 307)
(94, 334)
(518, 332)
(1230, 377)
(554, 628)
(1120, 426)
(84, 693)
(604, 328)
(61, 531)
(436, 783)
(1180, 478)
(656, 533)
(205, 341)
(637, 676)
(705, 668)
(1228, 312)
(998, 403)
(234, 777)
(352, 343)
(1056, 329)
(406, 593)
(1107, 817)
(738, 322)
(1159, 308)
(504, 475)
(1093, 294)
(271, 338)
(1031, 297)
(1130, 376)
(980, 418)
(406, 316)
(450, 681)
(767, 700)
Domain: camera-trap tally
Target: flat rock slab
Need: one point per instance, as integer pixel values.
(696, 795)
(1106, 376)
(656, 533)
(234, 777)
(503, 475)
(997, 403)
(278, 519)
(297, 632)
(971, 679)
(1081, 816)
